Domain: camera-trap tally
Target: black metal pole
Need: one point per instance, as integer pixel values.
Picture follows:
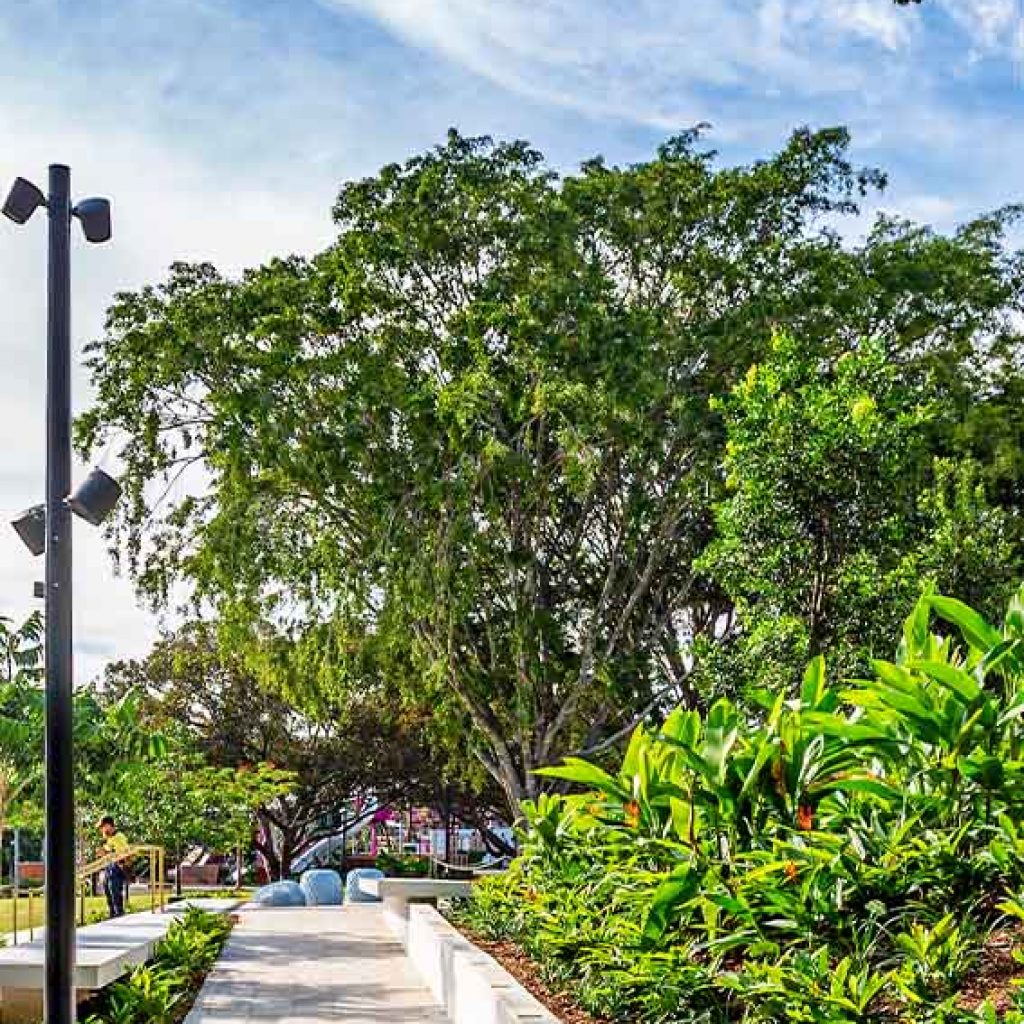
(59, 995)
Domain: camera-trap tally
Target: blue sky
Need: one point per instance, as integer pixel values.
(222, 128)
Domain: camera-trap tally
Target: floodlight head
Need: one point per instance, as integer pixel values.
(22, 201)
(95, 217)
(96, 497)
(30, 526)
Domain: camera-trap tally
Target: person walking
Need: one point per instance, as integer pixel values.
(115, 880)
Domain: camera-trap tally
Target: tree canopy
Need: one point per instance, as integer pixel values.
(244, 753)
(472, 446)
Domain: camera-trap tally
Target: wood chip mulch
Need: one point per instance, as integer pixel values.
(993, 978)
(525, 971)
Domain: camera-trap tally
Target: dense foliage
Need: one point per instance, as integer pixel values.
(471, 448)
(852, 854)
(244, 756)
(839, 506)
(160, 991)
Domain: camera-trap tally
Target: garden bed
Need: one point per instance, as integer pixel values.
(526, 971)
(163, 990)
(854, 854)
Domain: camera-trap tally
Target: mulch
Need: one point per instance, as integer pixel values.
(993, 978)
(525, 971)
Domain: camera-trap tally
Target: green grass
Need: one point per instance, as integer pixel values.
(95, 907)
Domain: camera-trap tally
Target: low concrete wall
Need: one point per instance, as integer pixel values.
(471, 985)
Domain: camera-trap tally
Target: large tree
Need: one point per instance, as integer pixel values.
(474, 436)
(368, 751)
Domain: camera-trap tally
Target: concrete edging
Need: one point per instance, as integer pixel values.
(471, 985)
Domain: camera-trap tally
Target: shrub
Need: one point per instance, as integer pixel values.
(836, 857)
(153, 993)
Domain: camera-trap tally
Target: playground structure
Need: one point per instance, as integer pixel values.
(416, 831)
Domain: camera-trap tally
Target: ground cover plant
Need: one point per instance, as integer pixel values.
(162, 991)
(852, 853)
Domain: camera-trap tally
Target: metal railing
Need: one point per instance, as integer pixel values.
(156, 886)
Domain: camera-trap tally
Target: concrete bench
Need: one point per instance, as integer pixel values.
(103, 952)
(398, 893)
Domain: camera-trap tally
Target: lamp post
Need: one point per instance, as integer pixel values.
(23, 200)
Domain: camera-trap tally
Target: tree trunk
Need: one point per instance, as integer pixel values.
(494, 843)
(285, 857)
(177, 874)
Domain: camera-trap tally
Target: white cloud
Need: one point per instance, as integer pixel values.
(221, 132)
(990, 25)
(888, 26)
(167, 206)
(650, 60)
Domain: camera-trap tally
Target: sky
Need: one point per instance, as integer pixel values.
(222, 129)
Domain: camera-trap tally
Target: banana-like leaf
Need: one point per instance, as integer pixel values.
(575, 769)
(961, 683)
(814, 682)
(976, 631)
(672, 893)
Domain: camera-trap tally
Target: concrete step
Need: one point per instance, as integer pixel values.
(104, 951)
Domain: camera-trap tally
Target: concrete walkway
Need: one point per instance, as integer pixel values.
(313, 965)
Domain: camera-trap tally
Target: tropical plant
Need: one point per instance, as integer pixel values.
(841, 855)
(21, 648)
(157, 992)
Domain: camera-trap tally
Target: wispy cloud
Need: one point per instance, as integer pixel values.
(655, 60)
(222, 128)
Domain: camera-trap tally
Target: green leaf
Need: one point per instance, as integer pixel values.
(677, 889)
(575, 769)
(976, 631)
(814, 682)
(962, 683)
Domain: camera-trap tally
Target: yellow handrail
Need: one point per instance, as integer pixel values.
(157, 882)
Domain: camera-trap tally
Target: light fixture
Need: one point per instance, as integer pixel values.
(93, 501)
(22, 201)
(94, 214)
(31, 528)
(50, 530)
(96, 497)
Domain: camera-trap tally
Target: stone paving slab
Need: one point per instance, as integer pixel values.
(311, 965)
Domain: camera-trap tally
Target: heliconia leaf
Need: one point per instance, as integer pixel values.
(674, 891)
(632, 756)
(840, 728)
(976, 631)
(1007, 650)
(895, 676)
(814, 682)
(962, 683)
(682, 815)
(575, 769)
(1014, 620)
(915, 629)
(683, 726)
(857, 784)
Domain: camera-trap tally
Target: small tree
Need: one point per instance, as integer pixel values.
(839, 512)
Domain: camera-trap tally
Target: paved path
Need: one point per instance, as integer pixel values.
(313, 965)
